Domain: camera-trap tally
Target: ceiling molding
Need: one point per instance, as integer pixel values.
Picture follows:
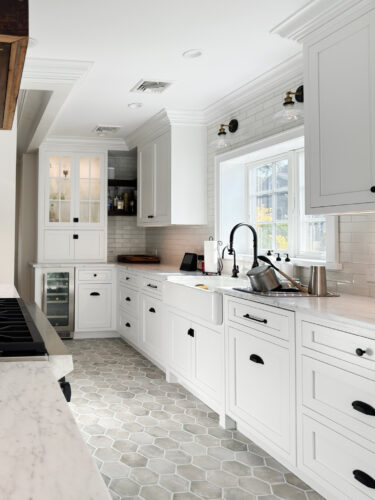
(258, 89)
(54, 71)
(97, 143)
(315, 14)
(161, 123)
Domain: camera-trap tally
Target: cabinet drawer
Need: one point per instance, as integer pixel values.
(129, 300)
(260, 386)
(128, 327)
(342, 396)
(128, 278)
(151, 286)
(334, 458)
(261, 317)
(96, 276)
(340, 344)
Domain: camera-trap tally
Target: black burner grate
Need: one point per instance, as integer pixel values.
(18, 333)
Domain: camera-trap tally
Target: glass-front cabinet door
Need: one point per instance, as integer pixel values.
(59, 189)
(58, 297)
(90, 184)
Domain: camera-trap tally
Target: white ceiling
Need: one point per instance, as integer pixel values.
(129, 40)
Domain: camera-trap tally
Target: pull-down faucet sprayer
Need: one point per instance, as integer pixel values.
(255, 242)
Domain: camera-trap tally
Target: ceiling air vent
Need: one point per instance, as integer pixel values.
(106, 129)
(150, 87)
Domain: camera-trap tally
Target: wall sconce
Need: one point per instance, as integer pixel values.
(224, 140)
(291, 110)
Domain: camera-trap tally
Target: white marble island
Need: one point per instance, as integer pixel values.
(42, 454)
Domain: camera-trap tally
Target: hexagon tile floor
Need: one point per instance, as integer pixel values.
(153, 440)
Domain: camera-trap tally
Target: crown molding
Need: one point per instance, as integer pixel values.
(54, 71)
(91, 143)
(315, 14)
(161, 123)
(257, 89)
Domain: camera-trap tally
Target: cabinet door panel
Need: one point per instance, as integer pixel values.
(163, 178)
(208, 363)
(59, 189)
(128, 327)
(180, 344)
(340, 145)
(90, 191)
(146, 176)
(94, 307)
(58, 245)
(151, 331)
(89, 245)
(259, 375)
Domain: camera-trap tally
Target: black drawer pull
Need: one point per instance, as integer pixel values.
(75, 219)
(128, 299)
(364, 408)
(360, 352)
(75, 236)
(151, 286)
(254, 318)
(372, 189)
(152, 310)
(95, 294)
(256, 359)
(128, 325)
(150, 216)
(191, 332)
(95, 275)
(364, 478)
(127, 278)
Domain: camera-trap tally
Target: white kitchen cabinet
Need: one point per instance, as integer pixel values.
(67, 245)
(340, 115)
(71, 202)
(93, 307)
(196, 357)
(128, 327)
(259, 384)
(172, 174)
(151, 339)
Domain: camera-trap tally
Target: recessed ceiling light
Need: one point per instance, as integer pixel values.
(192, 53)
(135, 105)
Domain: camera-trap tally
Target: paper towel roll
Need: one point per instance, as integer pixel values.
(210, 256)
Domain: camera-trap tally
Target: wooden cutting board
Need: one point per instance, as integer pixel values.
(138, 259)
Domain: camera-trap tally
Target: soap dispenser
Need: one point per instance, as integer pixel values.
(287, 265)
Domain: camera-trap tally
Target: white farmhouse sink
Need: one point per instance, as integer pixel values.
(182, 292)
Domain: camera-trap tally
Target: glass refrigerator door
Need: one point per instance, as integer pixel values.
(57, 299)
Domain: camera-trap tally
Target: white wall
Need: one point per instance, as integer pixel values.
(26, 224)
(8, 144)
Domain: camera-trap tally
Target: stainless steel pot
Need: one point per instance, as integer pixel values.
(263, 279)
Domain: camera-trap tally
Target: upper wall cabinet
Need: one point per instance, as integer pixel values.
(172, 161)
(339, 74)
(72, 206)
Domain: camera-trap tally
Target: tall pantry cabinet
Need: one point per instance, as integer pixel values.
(72, 203)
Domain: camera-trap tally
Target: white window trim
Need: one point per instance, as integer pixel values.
(332, 237)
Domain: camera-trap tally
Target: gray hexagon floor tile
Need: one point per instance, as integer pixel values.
(153, 440)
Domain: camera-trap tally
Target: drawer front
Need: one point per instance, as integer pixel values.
(95, 276)
(259, 385)
(262, 318)
(152, 337)
(344, 345)
(129, 300)
(94, 307)
(342, 396)
(334, 458)
(128, 278)
(151, 286)
(128, 327)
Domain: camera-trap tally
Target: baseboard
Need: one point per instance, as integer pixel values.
(96, 335)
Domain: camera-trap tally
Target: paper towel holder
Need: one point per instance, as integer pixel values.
(219, 260)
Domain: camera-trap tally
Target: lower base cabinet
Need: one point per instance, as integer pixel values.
(94, 307)
(151, 339)
(128, 327)
(196, 355)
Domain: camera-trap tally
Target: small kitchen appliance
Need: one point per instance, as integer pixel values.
(318, 281)
(189, 262)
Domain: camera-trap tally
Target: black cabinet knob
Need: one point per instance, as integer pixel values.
(191, 332)
(95, 275)
(256, 359)
(75, 219)
(128, 299)
(128, 325)
(150, 216)
(75, 236)
(372, 189)
(152, 310)
(360, 352)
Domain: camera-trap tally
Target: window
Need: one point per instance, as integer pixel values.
(276, 191)
(263, 184)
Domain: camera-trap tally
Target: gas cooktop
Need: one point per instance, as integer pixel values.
(18, 333)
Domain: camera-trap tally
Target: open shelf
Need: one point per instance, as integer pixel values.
(120, 212)
(121, 182)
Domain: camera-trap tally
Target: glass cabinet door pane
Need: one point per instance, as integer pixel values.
(59, 193)
(89, 189)
(57, 298)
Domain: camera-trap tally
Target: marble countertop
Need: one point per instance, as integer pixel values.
(43, 455)
(346, 309)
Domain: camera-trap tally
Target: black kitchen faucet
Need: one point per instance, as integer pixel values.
(231, 250)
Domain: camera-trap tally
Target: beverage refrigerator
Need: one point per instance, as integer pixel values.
(58, 299)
